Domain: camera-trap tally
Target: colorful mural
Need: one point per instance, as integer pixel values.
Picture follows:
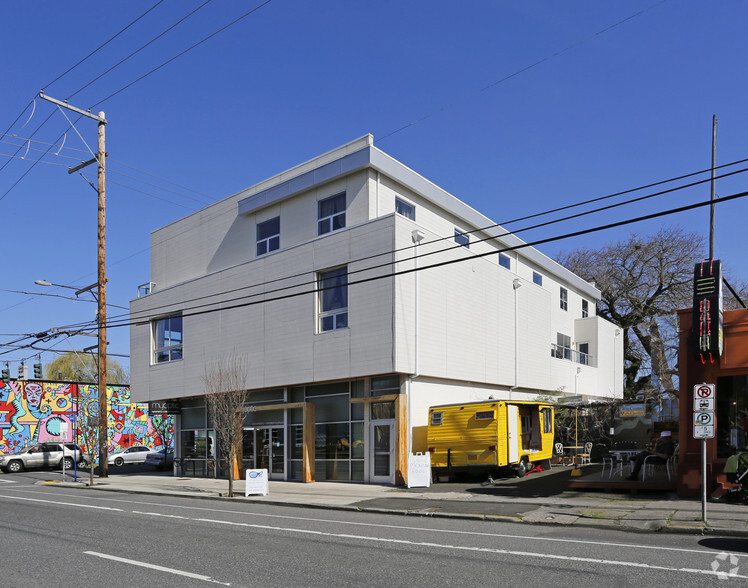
(33, 412)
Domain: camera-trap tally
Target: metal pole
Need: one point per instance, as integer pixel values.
(103, 408)
(714, 192)
(703, 480)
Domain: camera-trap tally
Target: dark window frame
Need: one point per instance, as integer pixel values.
(268, 236)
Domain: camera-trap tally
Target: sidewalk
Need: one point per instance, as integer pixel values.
(540, 498)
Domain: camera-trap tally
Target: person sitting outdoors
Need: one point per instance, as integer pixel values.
(663, 448)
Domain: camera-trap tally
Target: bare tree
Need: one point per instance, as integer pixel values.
(87, 425)
(643, 281)
(226, 394)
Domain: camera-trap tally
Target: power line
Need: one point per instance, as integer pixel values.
(209, 197)
(120, 62)
(458, 246)
(192, 311)
(32, 102)
(519, 71)
(104, 44)
(178, 55)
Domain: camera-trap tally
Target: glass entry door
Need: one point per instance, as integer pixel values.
(382, 451)
(271, 451)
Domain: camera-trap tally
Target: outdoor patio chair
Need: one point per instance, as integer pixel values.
(558, 449)
(651, 462)
(608, 459)
(586, 455)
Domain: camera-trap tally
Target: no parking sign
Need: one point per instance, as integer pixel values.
(703, 411)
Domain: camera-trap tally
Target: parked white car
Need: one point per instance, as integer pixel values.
(134, 454)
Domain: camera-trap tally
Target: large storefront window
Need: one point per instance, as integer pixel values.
(273, 436)
(732, 415)
(198, 452)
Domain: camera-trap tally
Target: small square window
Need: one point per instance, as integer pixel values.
(564, 299)
(462, 238)
(331, 214)
(436, 418)
(268, 236)
(585, 309)
(505, 261)
(405, 209)
(537, 278)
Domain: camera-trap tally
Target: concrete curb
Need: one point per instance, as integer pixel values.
(673, 529)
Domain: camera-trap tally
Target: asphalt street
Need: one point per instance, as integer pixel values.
(81, 537)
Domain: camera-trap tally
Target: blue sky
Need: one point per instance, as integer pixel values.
(607, 96)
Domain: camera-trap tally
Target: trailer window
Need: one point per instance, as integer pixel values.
(436, 418)
(484, 415)
(526, 423)
(547, 420)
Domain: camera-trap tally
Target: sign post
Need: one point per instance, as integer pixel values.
(63, 438)
(704, 400)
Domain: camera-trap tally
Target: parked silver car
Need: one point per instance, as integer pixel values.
(159, 459)
(134, 454)
(42, 455)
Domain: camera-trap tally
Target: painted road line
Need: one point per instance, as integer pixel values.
(397, 527)
(537, 555)
(155, 567)
(63, 503)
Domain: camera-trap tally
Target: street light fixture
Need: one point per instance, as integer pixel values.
(99, 295)
(78, 292)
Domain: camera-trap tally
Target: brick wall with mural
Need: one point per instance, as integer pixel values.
(33, 412)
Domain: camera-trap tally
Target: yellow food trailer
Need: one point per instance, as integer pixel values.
(490, 436)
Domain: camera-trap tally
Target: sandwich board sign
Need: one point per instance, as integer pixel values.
(419, 470)
(256, 482)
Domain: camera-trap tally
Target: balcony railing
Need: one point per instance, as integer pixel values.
(561, 352)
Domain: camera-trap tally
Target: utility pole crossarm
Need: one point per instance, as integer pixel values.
(80, 111)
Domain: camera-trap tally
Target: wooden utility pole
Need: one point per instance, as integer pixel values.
(101, 284)
(101, 314)
(714, 191)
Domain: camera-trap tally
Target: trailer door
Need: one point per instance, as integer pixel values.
(512, 431)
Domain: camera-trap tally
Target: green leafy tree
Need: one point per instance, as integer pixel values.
(79, 367)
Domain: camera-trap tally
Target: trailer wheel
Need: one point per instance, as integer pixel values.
(522, 468)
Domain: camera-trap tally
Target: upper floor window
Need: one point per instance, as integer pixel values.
(462, 238)
(505, 261)
(585, 309)
(564, 299)
(167, 339)
(268, 236)
(584, 353)
(333, 299)
(562, 348)
(537, 278)
(405, 208)
(331, 214)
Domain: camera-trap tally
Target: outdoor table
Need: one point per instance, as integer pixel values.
(622, 455)
(573, 450)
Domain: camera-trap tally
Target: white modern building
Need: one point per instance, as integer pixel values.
(358, 294)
